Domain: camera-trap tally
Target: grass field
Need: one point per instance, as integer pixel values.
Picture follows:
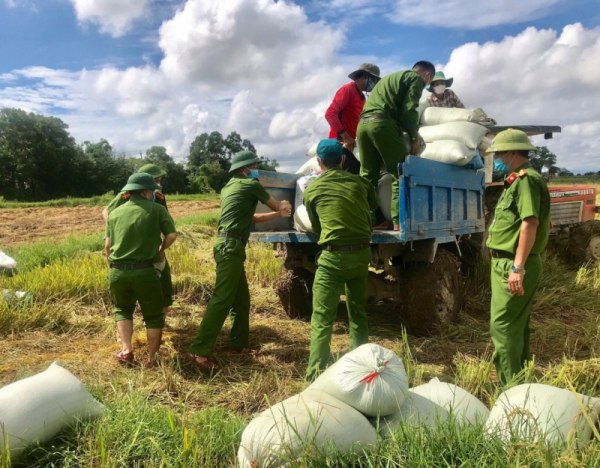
(171, 416)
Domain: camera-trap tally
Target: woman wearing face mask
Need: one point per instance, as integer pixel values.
(344, 111)
(441, 96)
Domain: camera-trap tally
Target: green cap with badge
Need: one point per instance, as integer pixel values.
(511, 140)
(140, 181)
(242, 159)
(153, 170)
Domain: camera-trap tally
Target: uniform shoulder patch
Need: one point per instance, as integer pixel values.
(159, 195)
(511, 178)
(125, 196)
(522, 172)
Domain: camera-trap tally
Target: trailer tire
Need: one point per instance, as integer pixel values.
(294, 290)
(584, 244)
(432, 293)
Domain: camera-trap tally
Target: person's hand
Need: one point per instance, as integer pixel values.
(286, 210)
(348, 142)
(161, 255)
(515, 283)
(415, 147)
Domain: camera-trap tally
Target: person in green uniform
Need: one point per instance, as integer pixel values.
(517, 237)
(166, 282)
(391, 110)
(231, 295)
(339, 205)
(133, 245)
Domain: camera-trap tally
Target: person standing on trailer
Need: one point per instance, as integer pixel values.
(231, 295)
(441, 94)
(517, 237)
(339, 206)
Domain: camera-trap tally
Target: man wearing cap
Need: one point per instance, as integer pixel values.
(231, 295)
(166, 281)
(339, 206)
(441, 95)
(390, 111)
(517, 237)
(345, 109)
(133, 244)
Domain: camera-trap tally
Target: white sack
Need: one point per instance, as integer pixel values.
(36, 409)
(301, 184)
(469, 134)
(309, 167)
(384, 191)
(371, 379)
(312, 152)
(441, 115)
(530, 411)
(301, 220)
(6, 261)
(279, 433)
(448, 151)
(434, 402)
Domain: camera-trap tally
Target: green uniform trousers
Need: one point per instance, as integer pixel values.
(509, 322)
(143, 286)
(166, 284)
(231, 296)
(380, 141)
(336, 270)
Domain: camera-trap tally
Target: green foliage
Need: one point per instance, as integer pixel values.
(541, 157)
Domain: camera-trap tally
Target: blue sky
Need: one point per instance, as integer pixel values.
(180, 80)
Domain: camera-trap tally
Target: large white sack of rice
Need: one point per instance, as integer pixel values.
(312, 152)
(530, 412)
(278, 435)
(384, 191)
(309, 167)
(301, 185)
(436, 402)
(301, 220)
(36, 409)
(469, 134)
(441, 115)
(371, 379)
(448, 151)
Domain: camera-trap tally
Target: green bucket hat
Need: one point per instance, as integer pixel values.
(153, 170)
(439, 76)
(140, 181)
(366, 67)
(510, 140)
(242, 159)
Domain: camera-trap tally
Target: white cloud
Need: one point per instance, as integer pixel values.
(27, 4)
(114, 17)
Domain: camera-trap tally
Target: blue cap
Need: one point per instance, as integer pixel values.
(331, 150)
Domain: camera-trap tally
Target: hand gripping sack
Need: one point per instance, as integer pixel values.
(280, 434)
(529, 412)
(36, 409)
(469, 134)
(448, 151)
(434, 402)
(371, 379)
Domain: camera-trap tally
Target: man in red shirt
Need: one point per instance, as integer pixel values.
(344, 111)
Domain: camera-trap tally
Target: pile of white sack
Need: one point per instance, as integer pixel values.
(301, 220)
(36, 409)
(453, 136)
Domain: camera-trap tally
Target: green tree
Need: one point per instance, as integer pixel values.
(542, 156)
(176, 180)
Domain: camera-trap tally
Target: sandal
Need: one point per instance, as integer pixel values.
(125, 358)
(249, 351)
(207, 365)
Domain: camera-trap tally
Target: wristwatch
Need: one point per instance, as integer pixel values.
(515, 269)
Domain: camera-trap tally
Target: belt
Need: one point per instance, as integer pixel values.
(345, 248)
(131, 266)
(375, 117)
(502, 254)
(233, 236)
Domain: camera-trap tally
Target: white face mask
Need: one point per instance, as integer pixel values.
(439, 89)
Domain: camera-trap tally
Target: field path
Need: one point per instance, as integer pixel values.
(26, 225)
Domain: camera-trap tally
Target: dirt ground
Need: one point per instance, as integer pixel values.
(26, 225)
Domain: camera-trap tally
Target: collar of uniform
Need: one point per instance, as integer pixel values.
(334, 168)
(526, 165)
(238, 176)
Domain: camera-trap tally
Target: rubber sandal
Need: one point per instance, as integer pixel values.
(249, 351)
(208, 365)
(396, 227)
(125, 358)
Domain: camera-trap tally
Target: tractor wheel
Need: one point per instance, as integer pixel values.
(294, 290)
(584, 243)
(432, 293)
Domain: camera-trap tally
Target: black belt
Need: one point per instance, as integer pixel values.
(233, 236)
(131, 266)
(375, 117)
(502, 254)
(345, 248)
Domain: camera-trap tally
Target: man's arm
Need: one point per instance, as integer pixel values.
(526, 240)
(311, 211)
(409, 120)
(167, 242)
(105, 214)
(281, 209)
(107, 247)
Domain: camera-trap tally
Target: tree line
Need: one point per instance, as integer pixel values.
(40, 160)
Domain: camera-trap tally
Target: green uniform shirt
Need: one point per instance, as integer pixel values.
(398, 96)
(122, 198)
(238, 204)
(134, 230)
(339, 206)
(525, 194)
